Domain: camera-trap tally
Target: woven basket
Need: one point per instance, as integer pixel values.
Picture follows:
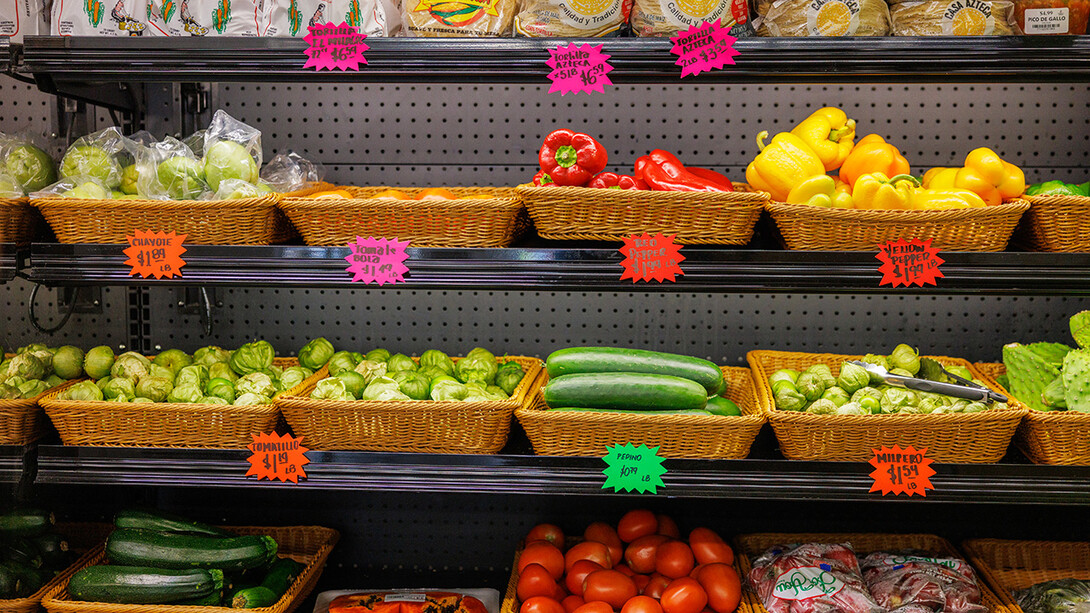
(1008, 566)
(493, 222)
(21, 421)
(577, 433)
(697, 218)
(250, 221)
(949, 437)
(309, 545)
(975, 229)
(162, 424)
(420, 426)
(1046, 437)
(18, 221)
(749, 546)
(1056, 223)
(81, 538)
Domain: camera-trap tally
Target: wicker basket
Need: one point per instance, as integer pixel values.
(1008, 566)
(577, 433)
(1047, 437)
(697, 218)
(21, 421)
(81, 537)
(309, 545)
(18, 221)
(749, 546)
(975, 229)
(409, 426)
(492, 222)
(1056, 223)
(950, 437)
(162, 424)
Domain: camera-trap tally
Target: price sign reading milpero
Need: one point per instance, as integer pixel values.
(902, 471)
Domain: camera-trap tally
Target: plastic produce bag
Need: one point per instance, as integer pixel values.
(1060, 596)
(954, 18)
(236, 189)
(27, 163)
(941, 584)
(433, 18)
(206, 17)
(19, 18)
(98, 155)
(823, 18)
(232, 150)
(9, 186)
(168, 170)
(572, 18)
(287, 172)
(81, 186)
(811, 578)
(668, 17)
(99, 18)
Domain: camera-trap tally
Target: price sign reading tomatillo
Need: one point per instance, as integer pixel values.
(703, 48)
(377, 260)
(902, 471)
(632, 468)
(649, 258)
(335, 47)
(277, 457)
(912, 262)
(155, 254)
(578, 68)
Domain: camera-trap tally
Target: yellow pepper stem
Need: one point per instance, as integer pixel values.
(761, 136)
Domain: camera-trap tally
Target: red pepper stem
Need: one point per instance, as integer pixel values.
(566, 156)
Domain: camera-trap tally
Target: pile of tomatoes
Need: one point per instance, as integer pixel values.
(642, 566)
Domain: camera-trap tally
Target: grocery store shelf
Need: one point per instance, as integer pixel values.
(9, 261)
(5, 54)
(517, 474)
(570, 268)
(11, 463)
(56, 61)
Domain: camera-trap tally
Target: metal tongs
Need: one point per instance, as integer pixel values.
(967, 389)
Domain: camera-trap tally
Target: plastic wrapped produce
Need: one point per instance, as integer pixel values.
(1060, 596)
(937, 583)
(811, 578)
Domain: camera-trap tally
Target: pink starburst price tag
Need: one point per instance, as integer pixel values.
(703, 48)
(377, 260)
(335, 47)
(578, 68)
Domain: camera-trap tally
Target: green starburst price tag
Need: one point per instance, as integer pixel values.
(631, 469)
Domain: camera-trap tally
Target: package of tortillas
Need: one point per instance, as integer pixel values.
(372, 17)
(206, 17)
(19, 18)
(99, 18)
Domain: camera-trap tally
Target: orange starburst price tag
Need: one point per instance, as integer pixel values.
(909, 262)
(277, 456)
(155, 254)
(649, 258)
(902, 471)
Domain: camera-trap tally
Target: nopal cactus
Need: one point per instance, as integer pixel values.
(1076, 379)
(1053, 353)
(1029, 375)
(1080, 329)
(1054, 394)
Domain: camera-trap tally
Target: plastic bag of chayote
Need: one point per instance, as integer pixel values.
(101, 155)
(232, 150)
(287, 172)
(84, 187)
(168, 170)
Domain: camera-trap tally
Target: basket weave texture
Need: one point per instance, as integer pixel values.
(21, 421)
(1008, 566)
(309, 545)
(949, 437)
(421, 426)
(1046, 437)
(81, 537)
(18, 221)
(975, 229)
(697, 218)
(492, 222)
(749, 546)
(162, 424)
(1056, 223)
(578, 433)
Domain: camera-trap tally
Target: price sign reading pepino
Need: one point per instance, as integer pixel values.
(703, 48)
(277, 457)
(155, 254)
(649, 258)
(902, 471)
(377, 260)
(578, 68)
(633, 468)
(909, 262)
(335, 47)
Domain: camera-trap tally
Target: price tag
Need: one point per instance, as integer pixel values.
(909, 262)
(578, 68)
(377, 260)
(631, 469)
(155, 254)
(902, 471)
(277, 457)
(649, 258)
(335, 47)
(703, 48)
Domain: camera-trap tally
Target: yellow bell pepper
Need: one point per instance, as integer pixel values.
(877, 191)
(842, 196)
(830, 134)
(782, 164)
(984, 173)
(936, 199)
(820, 190)
(873, 154)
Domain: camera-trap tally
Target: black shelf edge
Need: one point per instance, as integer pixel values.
(514, 474)
(58, 60)
(12, 461)
(6, 49)
(571, 269)
(9, 261)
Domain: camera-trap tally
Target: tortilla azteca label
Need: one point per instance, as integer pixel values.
(832, 17)
(968, 18)
(807, 582)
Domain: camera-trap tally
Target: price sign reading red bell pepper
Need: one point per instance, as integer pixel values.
(578, 68)
(277, 457)
(909, 262)
(377, 260)
(335, 47)
(703, 48)
(155, 254)
(902, 471)
(649, 258)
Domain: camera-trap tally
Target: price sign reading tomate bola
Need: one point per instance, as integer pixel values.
(335, 47)
(277, 457)
(649, 258)
(703, 48)
(578, 68)
(155, 254)
(909, 262)
(902, 471)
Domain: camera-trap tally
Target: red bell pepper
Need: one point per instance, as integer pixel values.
(542, 179)
(612, 180)
(571, 158)
(711, 175)
(664, 172)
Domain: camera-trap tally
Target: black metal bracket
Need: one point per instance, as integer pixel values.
(87, 299)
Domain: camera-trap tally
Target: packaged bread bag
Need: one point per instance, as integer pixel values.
(822, 18)
(99, 18)
(206, 17)
(572, 18)
(954, 18)
(19, 18)
(293, 17)
(668, 17)
(472, 18)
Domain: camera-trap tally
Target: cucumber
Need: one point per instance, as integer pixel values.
(717, 405)
(625, 390)
(53, 548)
(586, 410)
(253, 597)
(21, 551)
(163, 550)
(611, 359)
(142, 585)
(164, 522)
(26, 522)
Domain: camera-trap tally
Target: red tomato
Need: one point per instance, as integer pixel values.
(535, 580)
(667, 527)
(601, 532)
(674, 559)
(571, 603)
(641, 581)
(578, 572)
(624, 570)
(595, 607)
(545, 554)
(588, 550)
(640, 555)
(708, 548)
(546, 532)
(723, 586)
(656, 585)
(541, 604)
(560, 593)
(642, 604)
(696, 570)
(635, 524)
(608, 586)
(684, 595)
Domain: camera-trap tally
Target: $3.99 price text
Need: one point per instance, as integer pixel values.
(709, 54)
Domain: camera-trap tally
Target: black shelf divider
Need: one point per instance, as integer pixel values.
(9, 261)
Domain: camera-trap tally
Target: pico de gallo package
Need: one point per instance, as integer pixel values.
(409, 601)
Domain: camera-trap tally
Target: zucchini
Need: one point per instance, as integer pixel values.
(681, 412)
(142, 585)
(53, 548)
(213, 599)
(28, 579)
(10, 582)
(717, 405)
(26, 522)
(164, 550)
(612, 359)
(625, 390)
(21, 551)
(253, 597)
(164, 522)
(282, 574)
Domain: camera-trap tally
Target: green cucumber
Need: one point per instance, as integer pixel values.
(254, 597)
(163, 550)
(26, 522)
(722, 391)
(625, 390)
(611, 359)
(53, 549)
(164, 522)
(142, 585)
(717, 405)
(21, 551)
(586, 410)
